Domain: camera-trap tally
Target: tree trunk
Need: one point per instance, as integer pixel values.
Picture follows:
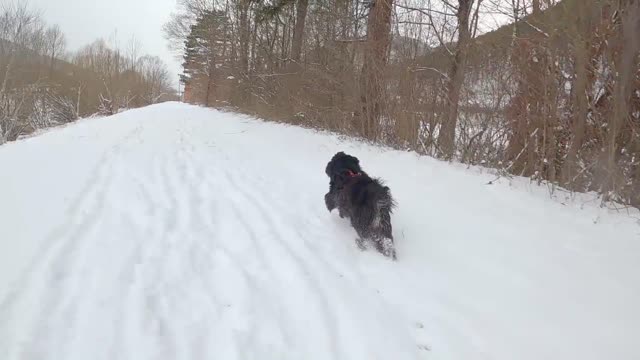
(244, 49)
(244, 36)
(298, 30)
(51, 64)
(626, 71)
(580, 96)
(375, 60)
(536, 6)
(446, 138)
(207, 99)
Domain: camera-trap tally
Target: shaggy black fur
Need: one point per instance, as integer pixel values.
(367, 202)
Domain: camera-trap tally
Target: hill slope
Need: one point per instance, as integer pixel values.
(177, 232)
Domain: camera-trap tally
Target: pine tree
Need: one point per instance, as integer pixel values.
(206, 51)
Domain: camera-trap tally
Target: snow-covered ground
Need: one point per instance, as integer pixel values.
(177, 232)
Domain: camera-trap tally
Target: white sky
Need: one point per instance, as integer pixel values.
(83, 21)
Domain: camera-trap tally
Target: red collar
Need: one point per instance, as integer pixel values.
(352, 174)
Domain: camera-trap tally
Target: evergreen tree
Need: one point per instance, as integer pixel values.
(207, 50)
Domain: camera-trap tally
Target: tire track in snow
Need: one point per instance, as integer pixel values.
(163, 263)
(257, 270)
(50, 276)
(253, 267)
(307, 280)
(244, 307)
(174, 272)
(70, 299)
(195, 258)
(264, 290)
(129, 308)
(129, 278)
(206, 220)
(114, 253)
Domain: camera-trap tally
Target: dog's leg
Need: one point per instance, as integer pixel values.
(385, 243)
(386, 248)
(360, 243)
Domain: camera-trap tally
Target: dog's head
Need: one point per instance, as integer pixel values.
(342, 162)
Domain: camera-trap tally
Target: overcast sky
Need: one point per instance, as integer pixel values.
(83, 21)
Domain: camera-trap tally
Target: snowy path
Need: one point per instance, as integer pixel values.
(176, 232)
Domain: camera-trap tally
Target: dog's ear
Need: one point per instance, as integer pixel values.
(330, 167)
(332, 164)
(338, 155)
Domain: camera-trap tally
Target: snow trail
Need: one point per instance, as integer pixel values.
(177, 232)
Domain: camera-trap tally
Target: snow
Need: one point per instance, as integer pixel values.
(178, 232)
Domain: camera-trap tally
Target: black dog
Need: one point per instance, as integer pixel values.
(364, 200)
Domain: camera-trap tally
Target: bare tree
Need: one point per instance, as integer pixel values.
(375, 61)
(446, 139)
(243, 8)
(19, 28)
(133, 53)
(581, 34)
(298, 31)
(626, 80)
(155, 79)
(56, 45)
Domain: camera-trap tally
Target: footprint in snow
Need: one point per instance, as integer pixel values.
(422, 344)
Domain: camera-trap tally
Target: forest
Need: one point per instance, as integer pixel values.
(550, 92)
(42, 84)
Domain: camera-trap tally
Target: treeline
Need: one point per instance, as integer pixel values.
(554, 95)
(43, 85)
